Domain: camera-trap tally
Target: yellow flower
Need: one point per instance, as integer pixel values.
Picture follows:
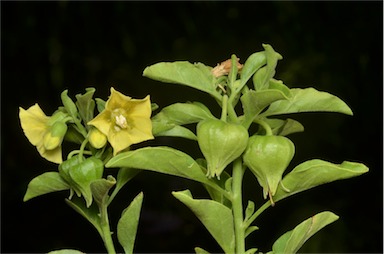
(43, 132)
(125, 121)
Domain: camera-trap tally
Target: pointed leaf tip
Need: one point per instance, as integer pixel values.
(45, 183)
(293, 240)
(127, 225)
(308, 100)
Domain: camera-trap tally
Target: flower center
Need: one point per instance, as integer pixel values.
(119, 119)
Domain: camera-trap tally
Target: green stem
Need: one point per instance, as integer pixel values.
(71, 154)
(80, 128)
(82, 147)
(105, 229)
(233, 72)
(237, 206)
(231, 111)
(266, 127)
(256, 214)
(224, 107)
(222, 191)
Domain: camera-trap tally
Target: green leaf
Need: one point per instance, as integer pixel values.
(183, 113)
(251, 65)
(86, 104)
(90, 213)
(214, 193)
(199, 250)
(185, 73)
(72, 135)
(308, 100)
(65, 251)
(178, 131)
(249, 230)
(315, 172)
(45, 183)
(216, 217)
(160, 159)
(293, 240)
(154, 106)
(125, 175)
(255, 101)
(279, 85)
(217, 194)
(249, 210)
(284, 127)
(100, 103)
(167, 121)
(160, 126)
(127, 225)
(69, 105)
(263, 76)
(251, 251)
(100, 189)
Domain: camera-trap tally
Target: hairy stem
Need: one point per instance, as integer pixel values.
(106, 232)
(237, 205)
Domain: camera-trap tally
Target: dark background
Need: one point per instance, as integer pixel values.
(337, 47)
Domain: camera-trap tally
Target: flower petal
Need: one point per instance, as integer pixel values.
(119, 140)
(117, 100)
(139, 135)
(102, 121)
(54, 155)
(34, 123)
(142, 125)
(141, 108)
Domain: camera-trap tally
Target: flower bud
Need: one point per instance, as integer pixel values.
(97, 139)
(221, 143)
(55, 135)
(268, 157)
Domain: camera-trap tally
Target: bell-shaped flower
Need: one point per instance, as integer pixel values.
(46, 133)
(125, 121)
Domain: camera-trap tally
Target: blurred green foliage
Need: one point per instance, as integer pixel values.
(47, 47)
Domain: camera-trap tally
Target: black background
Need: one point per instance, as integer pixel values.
(337, 47)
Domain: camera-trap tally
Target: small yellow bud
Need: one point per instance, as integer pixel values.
(97, 138)
(51, 142)
(54, 137)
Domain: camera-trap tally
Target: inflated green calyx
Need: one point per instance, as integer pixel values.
(221, 143)
(268, 157)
